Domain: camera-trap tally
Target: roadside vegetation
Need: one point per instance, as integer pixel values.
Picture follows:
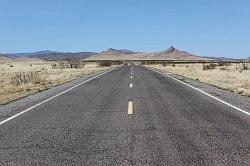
(19, 79)
(232, 77)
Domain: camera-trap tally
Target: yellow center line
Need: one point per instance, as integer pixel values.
(130, 108)
(131, 85)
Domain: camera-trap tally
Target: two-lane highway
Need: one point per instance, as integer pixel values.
(168, 123)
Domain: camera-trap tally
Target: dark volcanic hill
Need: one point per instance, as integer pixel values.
(173, 50)
(175, 54)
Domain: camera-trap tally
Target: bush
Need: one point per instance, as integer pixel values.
(20, 78)
(117, 63)
(68, 63)
(104, 64)
(54, 66)
(60, 65)
(75, 63)
(2, 73)
(245, 66)
(164, 64)
(63, 65)
(209, 66)
(152, 62)
(224, 68)
(149, 62)
(223, 63)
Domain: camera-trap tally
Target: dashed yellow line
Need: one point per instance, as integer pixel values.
(130, 108)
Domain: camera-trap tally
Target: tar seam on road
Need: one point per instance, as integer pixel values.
(230, 105)
(59, 94)
(130, 108)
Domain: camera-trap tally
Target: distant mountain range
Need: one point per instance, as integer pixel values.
(171, 53)
(60, 55)
(34, 53)
(114, 51)
(53, 55)
(4, 57)
(221, 58)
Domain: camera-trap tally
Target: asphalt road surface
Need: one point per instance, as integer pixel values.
(119, 118)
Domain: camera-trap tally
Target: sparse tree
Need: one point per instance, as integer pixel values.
(74, 63)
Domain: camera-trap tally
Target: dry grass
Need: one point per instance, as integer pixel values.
(232, 77)
(19, 79)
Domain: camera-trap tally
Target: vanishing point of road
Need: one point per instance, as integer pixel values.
(128, 116)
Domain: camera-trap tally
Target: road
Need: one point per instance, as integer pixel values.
(119, 118)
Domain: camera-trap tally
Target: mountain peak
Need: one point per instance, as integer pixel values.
(171, 49)
(111, 50)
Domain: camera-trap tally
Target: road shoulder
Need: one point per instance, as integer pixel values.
(19, 105)
(237, 100)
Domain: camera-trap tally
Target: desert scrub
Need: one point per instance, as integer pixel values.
(104, 64)
(68, 63)
(209, 66)
(22, 77)
(231, 77)
(29, 77)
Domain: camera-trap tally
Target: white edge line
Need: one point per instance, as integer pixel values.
(203, 92)
(59, 94)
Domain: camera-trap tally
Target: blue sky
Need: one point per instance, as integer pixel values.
(203, 27)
